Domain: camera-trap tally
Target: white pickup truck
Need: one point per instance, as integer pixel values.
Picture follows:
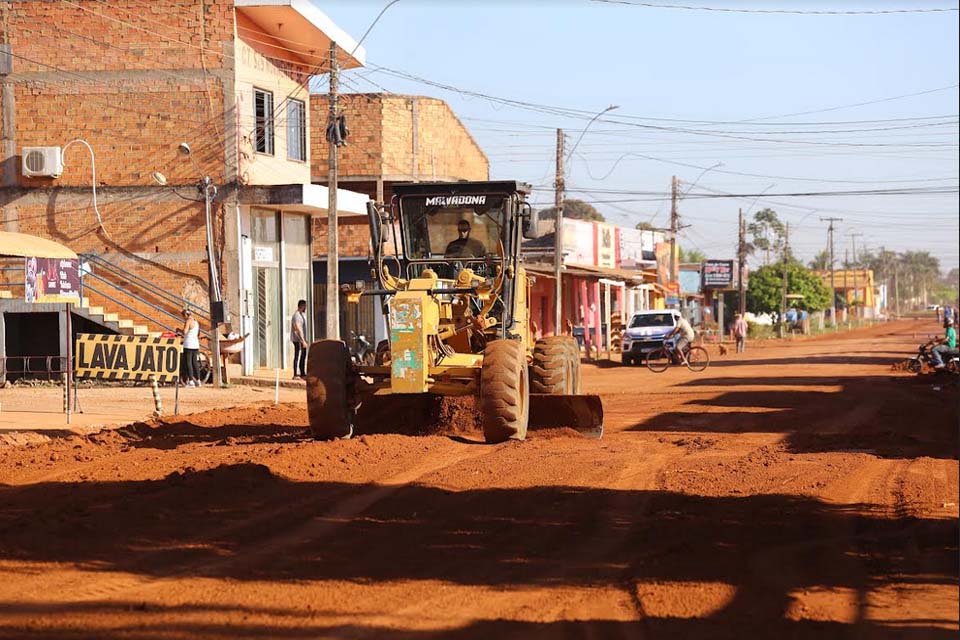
(646, 332)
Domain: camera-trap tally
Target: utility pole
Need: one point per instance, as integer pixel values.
(833, 275)
(896, 287)
(674, 225)
(741, 265)
(783, 295)
(333, 249)
(558, 240)
(856, 278)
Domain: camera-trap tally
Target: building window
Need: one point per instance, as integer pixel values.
(296, 130)
(263, 120)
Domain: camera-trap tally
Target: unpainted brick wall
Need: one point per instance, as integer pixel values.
(133, 79)
(353, 233)
(170, 253)
(381, 139)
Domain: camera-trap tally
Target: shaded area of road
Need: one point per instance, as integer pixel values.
(735, 503)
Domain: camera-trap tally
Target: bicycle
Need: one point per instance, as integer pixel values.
(695, 358)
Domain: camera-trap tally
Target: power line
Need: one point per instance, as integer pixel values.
(793, 12)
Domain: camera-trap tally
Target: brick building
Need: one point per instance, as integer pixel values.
(393, 138)
(133, 80)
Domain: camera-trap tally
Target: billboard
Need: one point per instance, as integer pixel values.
(638, 247)
(718, 274)
(578, 244)
(53, 280)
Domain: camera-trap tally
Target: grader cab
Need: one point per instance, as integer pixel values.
(456, 299)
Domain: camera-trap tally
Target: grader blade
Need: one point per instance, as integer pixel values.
(583, 413)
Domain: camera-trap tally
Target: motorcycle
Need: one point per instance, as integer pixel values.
(362, 352)
(951, 359)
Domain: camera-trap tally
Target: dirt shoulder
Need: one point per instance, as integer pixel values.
(803, 490)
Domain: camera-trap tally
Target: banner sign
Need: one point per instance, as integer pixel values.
(718, 274)
(663, 262)
(109, 357)
(672, 298)
(53, 280)
(607, 245)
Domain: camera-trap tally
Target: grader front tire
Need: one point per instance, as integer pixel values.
(504, 392)
(329, 390)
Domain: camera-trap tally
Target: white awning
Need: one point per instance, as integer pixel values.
(306, 198)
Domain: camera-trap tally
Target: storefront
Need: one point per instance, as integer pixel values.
(276, 266)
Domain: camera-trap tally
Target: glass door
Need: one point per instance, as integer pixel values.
(266, 317)
(267, 322)
(297, 273)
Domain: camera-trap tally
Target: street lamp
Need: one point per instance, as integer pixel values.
(208, 190)
(558, 231)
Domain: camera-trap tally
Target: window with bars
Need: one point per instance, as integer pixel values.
(296, 130)
(263, 121)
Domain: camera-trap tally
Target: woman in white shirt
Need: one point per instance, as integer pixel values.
(191, 350)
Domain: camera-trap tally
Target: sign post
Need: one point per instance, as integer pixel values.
(717, 277)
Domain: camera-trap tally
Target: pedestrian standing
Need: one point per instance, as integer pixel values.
(191, 350)
(298, 336)
(740, 333)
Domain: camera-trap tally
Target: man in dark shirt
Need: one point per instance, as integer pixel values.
(465, 246)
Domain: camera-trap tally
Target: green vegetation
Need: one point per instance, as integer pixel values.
(574, 209)
(764, 293)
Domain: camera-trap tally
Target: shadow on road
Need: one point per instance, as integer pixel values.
(226, 523)
(891, 416)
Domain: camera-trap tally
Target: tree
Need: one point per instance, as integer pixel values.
(765, 291)
(691, 255)
(821, 261)
(574, 209)
(768, 233)
(645, 226)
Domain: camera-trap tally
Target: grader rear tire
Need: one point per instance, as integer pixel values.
(504, 392)
(330, 390)
(553, 370)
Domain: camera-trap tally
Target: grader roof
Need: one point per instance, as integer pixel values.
(462, 188)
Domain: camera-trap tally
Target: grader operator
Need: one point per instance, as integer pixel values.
(456, 299)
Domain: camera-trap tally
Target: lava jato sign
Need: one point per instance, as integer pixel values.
(108, 357)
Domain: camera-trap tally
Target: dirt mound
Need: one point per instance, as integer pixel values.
(418, 415)
(553, 433)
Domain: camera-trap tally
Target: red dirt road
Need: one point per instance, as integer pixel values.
(802, 491)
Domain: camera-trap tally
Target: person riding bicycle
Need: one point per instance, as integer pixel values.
(686, 335)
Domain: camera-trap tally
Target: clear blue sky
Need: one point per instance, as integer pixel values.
(725, 68)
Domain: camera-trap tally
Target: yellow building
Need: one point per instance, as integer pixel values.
(856, 285)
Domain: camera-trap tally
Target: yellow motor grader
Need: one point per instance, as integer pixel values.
(456, 299)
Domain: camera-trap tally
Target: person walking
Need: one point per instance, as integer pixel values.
(298, 336)
(190, 368)
(740, 333)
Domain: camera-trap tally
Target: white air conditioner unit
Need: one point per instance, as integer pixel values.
(46, 162)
